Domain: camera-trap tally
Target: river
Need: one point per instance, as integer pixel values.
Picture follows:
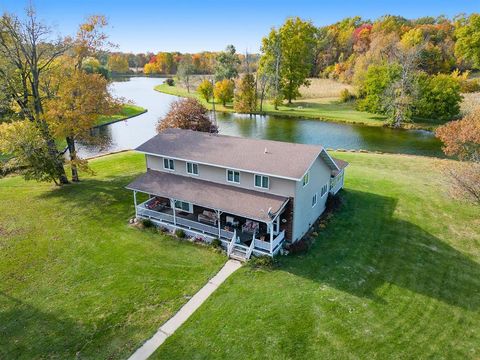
(130, 133)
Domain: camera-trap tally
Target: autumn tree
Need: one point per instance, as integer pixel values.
(269, 67)
(187, 114)
(223, 91)
(227, 63)
(461, 138)
(27, 52)
(467, 46)
(296, 42)
(186, 70)
(246, 95)
(118, 63)
(205, 89)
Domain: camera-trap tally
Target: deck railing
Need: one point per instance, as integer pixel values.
(142, 211)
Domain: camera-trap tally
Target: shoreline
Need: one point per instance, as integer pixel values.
(121, 119)
(208, 105)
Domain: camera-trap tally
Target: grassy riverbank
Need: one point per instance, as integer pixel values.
(75, 280)
(395, 274)
(319, 108)
(127, 111)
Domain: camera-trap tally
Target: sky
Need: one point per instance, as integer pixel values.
(192, 26)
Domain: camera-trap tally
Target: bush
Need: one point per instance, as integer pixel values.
(265, 262)
(169, 82)
(299, 247)
(180, 234)
(216, 243)
(346, 96)
(470, 86)
(147, 223)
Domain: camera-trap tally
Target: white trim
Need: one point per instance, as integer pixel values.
(186, 168)
(315, 196)
(190, 206)
(168, 159)
(261, 181)
(221, 166)
(232, 181)
(326, 191)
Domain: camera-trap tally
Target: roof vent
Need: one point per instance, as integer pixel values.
(265, 151)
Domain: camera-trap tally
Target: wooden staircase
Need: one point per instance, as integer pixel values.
(240, 252)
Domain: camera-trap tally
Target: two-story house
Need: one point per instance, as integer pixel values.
(251, 194)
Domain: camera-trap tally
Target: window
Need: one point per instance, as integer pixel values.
(233, 176)
(192, 168)
(261, 181)
(314, 200)
(324, 190)
(306, 178)
(168, 164)
(183, 206)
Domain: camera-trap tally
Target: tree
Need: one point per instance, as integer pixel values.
(205, 89)
(461, 138)
(269, 67)
(118, 63)
(297, 42)
(187, 114)
(74, 109)
(246, 95)
(467, 46)
(223, 91)
(185, 70)
(227, 63)
(27, 53)
(438, 97)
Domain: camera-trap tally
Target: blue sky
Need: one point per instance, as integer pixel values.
(140, 26)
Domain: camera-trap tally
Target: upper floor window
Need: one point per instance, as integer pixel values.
(192, 168)
(324, 190)
(314, 200)
(233, 176)
(306, 178)
(168, 164)
(262, 181)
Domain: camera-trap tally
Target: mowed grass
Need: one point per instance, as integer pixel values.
(127, 111)
(394, 275)
(76, 281)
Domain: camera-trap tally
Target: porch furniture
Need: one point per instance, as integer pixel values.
(250, 226)
(230, 220)
(208, 217)
(156, 204)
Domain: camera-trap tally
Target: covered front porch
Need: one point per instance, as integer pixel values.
(246, 222)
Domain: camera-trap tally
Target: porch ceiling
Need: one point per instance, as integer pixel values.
(247, 203)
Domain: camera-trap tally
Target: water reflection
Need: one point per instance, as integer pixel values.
(131, 133)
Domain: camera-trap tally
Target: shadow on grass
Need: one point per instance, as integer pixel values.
(35, 334)
(365, 247)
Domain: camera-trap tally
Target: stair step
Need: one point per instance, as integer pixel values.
(236, 257)
(239, 249)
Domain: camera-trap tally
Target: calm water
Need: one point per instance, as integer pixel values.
(131, 133)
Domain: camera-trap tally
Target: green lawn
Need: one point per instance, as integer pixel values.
(326, 109)
(395, 275)
(75, 280)
(128, 111)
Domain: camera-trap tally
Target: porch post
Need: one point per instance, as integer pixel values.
(271, 237)
(135, 201)
(172, 204)
(219, 228)
(277, 220)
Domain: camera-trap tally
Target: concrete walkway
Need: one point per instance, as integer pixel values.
(185, 312)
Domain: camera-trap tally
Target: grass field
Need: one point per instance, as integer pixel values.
(395, 275)
(75, 280)
(128, 111)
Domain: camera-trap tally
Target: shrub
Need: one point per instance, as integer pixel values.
(299, 247)
(180, 233)
(470, 86)
(216, 243)
(169, 82)
(264, 262)
(346, 96)
(147, 223)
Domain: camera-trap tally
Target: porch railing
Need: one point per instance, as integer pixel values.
(154, 214)
(278, 240)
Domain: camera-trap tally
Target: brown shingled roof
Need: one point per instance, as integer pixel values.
(230, 199)
(263, 156)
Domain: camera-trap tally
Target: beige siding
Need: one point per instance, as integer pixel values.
(303, 213)
(215, 174)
